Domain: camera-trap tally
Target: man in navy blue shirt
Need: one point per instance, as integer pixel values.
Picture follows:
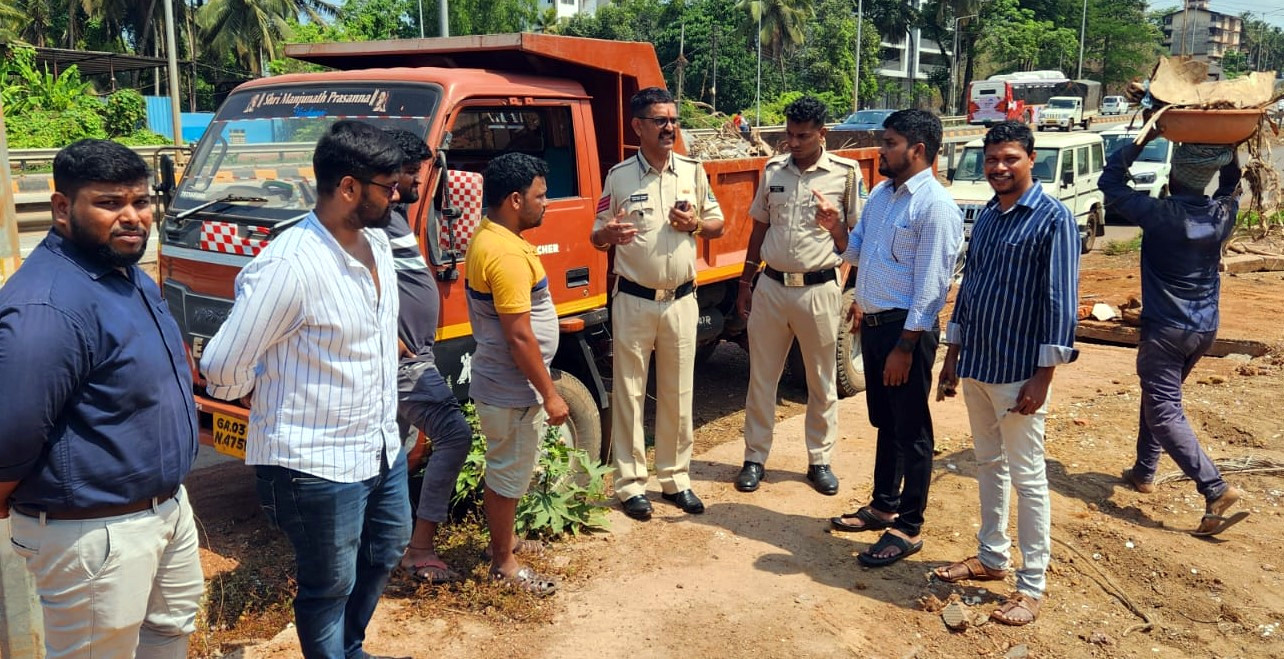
(102, 431)
(1182, 238)
(1013, 324)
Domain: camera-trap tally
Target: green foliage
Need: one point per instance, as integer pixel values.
(1017, 41)
(1234, 64)
(1120, 247)
(566, 495)
(43, 110)
(142, 137)
(124, 113)
(42, 129)
(1121, 44)
(696, 116)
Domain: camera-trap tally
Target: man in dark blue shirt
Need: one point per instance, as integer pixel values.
(101, 432)
(1013, 324)
(425, 402)
(1182, 238)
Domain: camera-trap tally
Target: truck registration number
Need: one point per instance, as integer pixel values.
(229, 435)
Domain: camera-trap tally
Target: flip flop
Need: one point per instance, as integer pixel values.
(433, 571)
(1223, 523)
(528, 580)
(871, 521)
(868, 558)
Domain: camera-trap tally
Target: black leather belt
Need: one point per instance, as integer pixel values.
(97, 512)
(793, 279)
(657, 294)
(884, 317)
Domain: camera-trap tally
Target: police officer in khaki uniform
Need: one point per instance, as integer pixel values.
(804, 207)
(654, 207)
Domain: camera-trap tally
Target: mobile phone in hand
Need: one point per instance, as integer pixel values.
(683, 205)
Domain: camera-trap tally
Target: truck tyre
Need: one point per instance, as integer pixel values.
(1087, 123)
(583, 428)
(850, 378)
(1093, 227)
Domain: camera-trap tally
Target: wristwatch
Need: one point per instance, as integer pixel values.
(905, 345)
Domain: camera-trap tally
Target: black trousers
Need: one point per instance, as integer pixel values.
(903, 463)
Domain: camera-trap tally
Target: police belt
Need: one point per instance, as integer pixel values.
(794, 279)
(657, 294)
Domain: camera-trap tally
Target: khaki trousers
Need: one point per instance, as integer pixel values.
(668, 329)
(779, 315)
(125, 586)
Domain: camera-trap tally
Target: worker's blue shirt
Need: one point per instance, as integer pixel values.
(97, 406)
(1181, 243)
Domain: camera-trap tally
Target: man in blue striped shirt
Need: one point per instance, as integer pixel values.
(1013, 324)
(904, 246)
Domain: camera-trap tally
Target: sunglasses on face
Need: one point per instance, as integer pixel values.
(662, 122)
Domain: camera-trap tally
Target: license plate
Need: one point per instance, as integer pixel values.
(229, 435)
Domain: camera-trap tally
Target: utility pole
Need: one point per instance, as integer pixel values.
(172, 45)
(682, 61)
(860, 46)
(443, 15)
(954, 67)
(421, 19)
(713, 91)
(758, 93)
(1083, 30)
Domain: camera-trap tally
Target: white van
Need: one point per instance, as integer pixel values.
(1151, 168)
(1114, 105)
(1067, 164)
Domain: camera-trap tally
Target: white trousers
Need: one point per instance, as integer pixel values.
(116, 587)
(1009, 450)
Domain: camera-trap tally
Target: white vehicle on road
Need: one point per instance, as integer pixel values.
(1065, 112)
(1150, 170)
(1114, 105)
(1067, 166)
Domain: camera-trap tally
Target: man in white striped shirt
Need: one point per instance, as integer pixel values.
(311, 343)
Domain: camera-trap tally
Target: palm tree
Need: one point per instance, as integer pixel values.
(782, 24)
(11, 22)
(252, 29)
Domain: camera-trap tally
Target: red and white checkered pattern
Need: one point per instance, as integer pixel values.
(227, 237)
(465, 190)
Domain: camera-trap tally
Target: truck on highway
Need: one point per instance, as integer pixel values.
(563, 99)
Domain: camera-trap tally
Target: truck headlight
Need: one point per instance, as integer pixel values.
(1144, 178)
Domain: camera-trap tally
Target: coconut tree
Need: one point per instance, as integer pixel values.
(253, 30)
(782, 21)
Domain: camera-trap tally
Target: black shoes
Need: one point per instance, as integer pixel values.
(822, 478)
(639, 508)
(686, 500)
(750, 475)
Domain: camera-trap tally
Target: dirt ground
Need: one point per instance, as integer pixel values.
(761, 575)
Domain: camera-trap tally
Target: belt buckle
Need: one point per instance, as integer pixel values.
(795, 279)
(665, 294)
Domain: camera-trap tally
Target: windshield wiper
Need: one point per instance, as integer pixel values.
(229, 199)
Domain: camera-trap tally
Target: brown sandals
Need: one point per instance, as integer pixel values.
(1018, 609)
(968, 569)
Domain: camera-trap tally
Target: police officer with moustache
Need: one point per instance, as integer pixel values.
(804, 208)
(653, 208)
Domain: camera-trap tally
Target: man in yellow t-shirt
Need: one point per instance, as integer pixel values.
(515, 326)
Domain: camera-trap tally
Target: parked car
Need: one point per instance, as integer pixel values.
(1114, 105)
(865, 120)
(1150, 170)
(1067, 166)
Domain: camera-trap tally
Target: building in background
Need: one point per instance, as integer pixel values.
(569, 8)
(904, 61)
(1203, 34)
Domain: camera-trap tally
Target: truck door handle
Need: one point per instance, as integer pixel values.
(577, 277)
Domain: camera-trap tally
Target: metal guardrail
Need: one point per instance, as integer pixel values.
(947, 122)
(150, 153)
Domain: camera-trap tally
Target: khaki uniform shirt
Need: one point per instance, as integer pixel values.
(794, 242)
(659, 256)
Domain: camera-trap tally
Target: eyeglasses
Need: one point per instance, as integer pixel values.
(661, 122)
(390, 187)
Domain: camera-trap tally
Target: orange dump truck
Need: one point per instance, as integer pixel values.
(562, 99)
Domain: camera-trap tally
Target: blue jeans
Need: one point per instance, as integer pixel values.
(347, 538)
(1165, 356)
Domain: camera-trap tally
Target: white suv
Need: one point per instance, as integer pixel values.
(1114, 105)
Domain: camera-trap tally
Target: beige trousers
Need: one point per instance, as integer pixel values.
(116, 587)
(778, 316)
(668, 329)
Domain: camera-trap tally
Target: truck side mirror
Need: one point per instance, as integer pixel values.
(167, 180)
(1067, 179)
(949, 174)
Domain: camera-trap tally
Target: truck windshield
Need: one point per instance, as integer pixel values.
(1061, 103)
(261, 141)
(972, 165)
(1156, 151)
